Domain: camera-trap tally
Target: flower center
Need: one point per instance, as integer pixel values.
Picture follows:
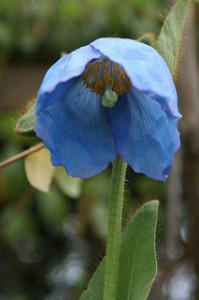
(104, 74)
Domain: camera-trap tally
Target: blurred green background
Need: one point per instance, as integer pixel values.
(50, 243)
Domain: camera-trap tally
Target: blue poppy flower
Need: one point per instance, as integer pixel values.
(113, 96)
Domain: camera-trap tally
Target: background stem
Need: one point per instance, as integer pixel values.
(114, 229)
(21, 155)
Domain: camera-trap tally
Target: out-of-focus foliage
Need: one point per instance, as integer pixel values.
(40, 30)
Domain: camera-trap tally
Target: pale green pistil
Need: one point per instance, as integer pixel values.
(109, 98)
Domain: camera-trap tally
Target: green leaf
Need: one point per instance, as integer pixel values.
(25, 124)
(96, 284)
(170, 41)
(39, 170)
(138, 265)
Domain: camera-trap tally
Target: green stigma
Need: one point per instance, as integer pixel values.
(109, 98)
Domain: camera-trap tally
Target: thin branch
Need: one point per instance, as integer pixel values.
(21, 155)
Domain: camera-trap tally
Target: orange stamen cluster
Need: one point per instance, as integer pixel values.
(104, 73)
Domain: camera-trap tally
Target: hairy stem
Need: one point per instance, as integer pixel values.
(114, 229)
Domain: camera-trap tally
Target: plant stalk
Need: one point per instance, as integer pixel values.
(21, 155)
(114, 229)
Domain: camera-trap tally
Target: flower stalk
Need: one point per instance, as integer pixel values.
(114, 229)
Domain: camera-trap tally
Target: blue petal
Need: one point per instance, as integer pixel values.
(146, 137)
(146, 69)
(62, 75)
(76, 130)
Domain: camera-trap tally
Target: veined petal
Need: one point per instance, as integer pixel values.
(146, 137)
(62, 75)
(76, 131)
(146, 69)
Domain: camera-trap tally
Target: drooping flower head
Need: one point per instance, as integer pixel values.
(113, 96)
